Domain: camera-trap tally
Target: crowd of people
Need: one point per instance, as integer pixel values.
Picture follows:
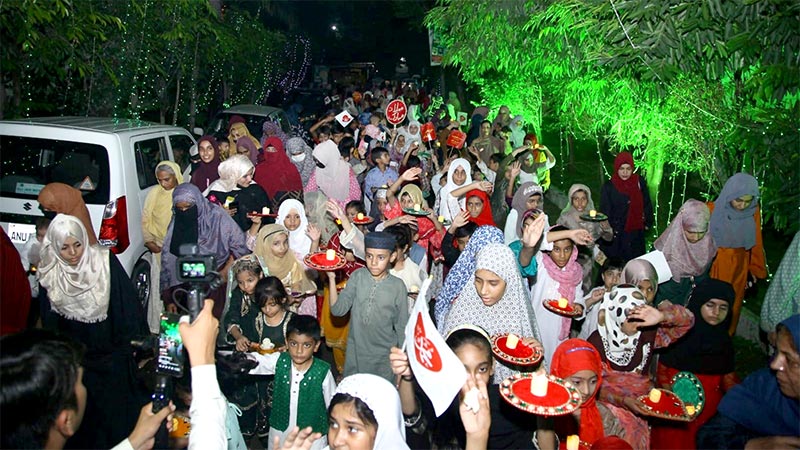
(287, 354)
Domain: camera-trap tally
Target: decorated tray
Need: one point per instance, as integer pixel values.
(365, 221)
(413, 212)
(599, 217)
(552, 306)
(319, 261)
(181, 426)
(562, 397)
(689, 389)
(522, 355)
(256, 347)
(670, 407)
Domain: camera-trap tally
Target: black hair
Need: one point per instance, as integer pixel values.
(505, 130)
(42, 222)
(337, 128)
(305, 326)
(39, 370)
(346, 146)
(413, 161)
(486, 121)
(612, 263)
(467, 230)
(402, 235)
(464, 336)
(270, 288)
(324, 129)
(496, 157)
(362, 410)
(358, 205)
(376, 153)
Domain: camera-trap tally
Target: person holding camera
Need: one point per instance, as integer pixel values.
(85, 294)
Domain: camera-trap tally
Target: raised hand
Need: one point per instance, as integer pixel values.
(313, 232)
(411, 174)
(648, 315)
(533, 232)
(398, 360)
(516, 169)
(581, 236)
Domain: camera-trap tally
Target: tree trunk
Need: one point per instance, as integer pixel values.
(193, 87)
(177, 97)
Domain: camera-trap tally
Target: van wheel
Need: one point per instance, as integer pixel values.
(141, 281)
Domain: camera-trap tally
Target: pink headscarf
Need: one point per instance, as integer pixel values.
(686, 259)
(568, 278)
(334, 179)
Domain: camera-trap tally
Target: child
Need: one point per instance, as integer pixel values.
(378, 305)
(428, 229)
(244, 321)
(609, 275)
(560, 277)
(459, 174)
(380, 175)
(272, 246)
(304, 384)
(404, 268)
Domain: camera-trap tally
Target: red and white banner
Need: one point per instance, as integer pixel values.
(437, 369)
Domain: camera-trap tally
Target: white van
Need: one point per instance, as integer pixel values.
(112, 162)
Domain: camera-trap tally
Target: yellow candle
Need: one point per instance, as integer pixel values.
(539, 384)
(360, 216)
(562, 303)
(655, 395)
(573, 442)
(330, 255)
(592, 213)
(512, 340)
(416, 206)
(265, 210)
(690, 410)
(441, 219)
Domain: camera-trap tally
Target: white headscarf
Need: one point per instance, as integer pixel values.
(618, 346)
(382, 398)
(230, 171)
(448, 205)
(299, 242)
(79, 292)
(512, 314)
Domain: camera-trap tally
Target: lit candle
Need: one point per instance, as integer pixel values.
(592, 213)
(539, 384)
(655, 395)
(512, 340)
(330, 255)
(441, 219)
(416, 207)
(573, 442)
(690, 410)
(265, 210)
(360, 216)
(562, 303)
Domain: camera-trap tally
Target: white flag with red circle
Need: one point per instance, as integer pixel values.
(437, 369)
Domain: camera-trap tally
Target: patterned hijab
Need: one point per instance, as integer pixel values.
(688, 259)
(730, 227)
(463, 269)
(619, 348)
(512, 314)
(80, 292)
(300, 154)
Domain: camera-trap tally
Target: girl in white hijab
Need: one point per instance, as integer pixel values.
(459, 174)
(297, 224)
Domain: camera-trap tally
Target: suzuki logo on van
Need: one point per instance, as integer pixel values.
(27, 206)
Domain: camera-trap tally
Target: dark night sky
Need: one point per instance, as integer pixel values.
(367, 31)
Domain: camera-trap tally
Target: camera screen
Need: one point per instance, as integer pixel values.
(193, 269)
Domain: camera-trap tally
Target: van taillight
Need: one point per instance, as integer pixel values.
(114, 228)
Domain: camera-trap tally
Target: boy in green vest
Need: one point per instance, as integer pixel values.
(300, 379)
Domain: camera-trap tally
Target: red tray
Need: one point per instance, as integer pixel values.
(670, 407)
(522, 355)
(319, 261)
(552, 306)
(365, 221)
(562, 397)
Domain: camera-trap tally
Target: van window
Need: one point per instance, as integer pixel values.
(181, 144)
(28, 164)
(149, 153)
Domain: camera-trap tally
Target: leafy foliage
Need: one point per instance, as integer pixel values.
(707, 87)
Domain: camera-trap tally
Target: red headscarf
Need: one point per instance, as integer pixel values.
(572, 356)
(277, 173)
(485, 217)
(611, 443)
(630, 188)
(534, 142)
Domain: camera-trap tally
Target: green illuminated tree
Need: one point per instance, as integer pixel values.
(655, 77)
